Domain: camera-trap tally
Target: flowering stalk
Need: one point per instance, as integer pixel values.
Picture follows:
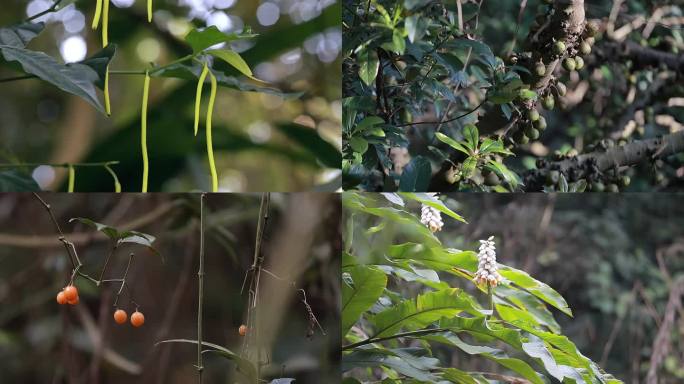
(487, 270)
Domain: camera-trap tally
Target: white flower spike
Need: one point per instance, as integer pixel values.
(431, 217)
(487, 270)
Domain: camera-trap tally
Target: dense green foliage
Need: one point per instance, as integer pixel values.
(402, 308)
(511, 96)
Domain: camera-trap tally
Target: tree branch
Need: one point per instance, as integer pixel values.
(629, 154)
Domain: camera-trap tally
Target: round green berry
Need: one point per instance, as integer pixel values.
(625, 181)
(533, 115)
(585, 48)
(561, 89)
(540, 69)
(579, 63)
(540, 124)
(548, 102)
(559, 47)
(531, 133)
(569, 64)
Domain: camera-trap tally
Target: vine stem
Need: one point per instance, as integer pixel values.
(52, 8)
(60, 165)
(200, 297)
(124, 72)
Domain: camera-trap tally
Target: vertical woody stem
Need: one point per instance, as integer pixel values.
(200, 275)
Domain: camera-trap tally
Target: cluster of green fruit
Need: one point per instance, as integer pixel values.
(535, 124)
(594, 183)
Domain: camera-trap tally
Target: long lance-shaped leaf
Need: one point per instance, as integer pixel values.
(418, 313)
(210, 145)
(198, 96)
(500, 357)
(362, 286)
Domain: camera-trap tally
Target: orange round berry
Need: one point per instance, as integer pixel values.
(74, 301)
(120, 316)
(137, 319)
(242, 330)
(71, 293)
(61, 298)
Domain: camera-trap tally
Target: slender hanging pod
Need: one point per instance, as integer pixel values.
(108, 107)
(149, 11)
(98, 14)
(72, 179)
(105, 23)
(198, 97)
(210, 146)
(143, 131)
(117, 185)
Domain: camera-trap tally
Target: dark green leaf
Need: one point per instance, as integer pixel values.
(77, 79)
(416, 175)
(20, 35)
(368, 65)
(17, 181)
(311, 141)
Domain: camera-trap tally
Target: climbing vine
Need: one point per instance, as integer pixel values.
(84, 78)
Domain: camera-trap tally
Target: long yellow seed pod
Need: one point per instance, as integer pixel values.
(105, 23)
(210, 146)
(72, 179)
(98, 14)
(108, 107)
(198, 97)
(143, 131)
(117, 185)
(149, 11)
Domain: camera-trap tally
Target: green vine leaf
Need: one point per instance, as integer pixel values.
(234, 59)
(199, 40)
(77, 79)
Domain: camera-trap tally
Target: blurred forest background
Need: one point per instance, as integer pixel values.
(257, 149)
(43, 342)
(619, 263)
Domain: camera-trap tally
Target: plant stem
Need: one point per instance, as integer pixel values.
(200, 275)
(52, 8)
(72, 179)
(109, 256)
(60, 165)
(490, 293)
(371, 340)
(123, 281)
